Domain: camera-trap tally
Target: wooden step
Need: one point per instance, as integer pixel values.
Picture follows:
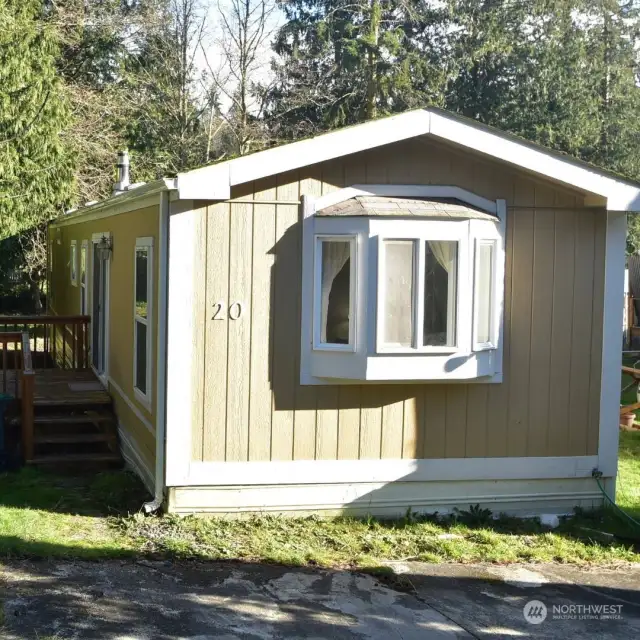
(73, 438)
(81, 418)
(76, 458)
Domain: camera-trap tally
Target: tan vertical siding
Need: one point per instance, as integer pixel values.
(254, 407)
(65, 300)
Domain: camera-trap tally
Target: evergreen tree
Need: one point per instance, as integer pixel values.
(344, 62)
(169, 96)
(35, 166)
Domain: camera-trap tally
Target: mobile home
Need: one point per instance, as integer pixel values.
(416, 312)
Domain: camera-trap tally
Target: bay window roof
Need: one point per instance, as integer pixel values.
(367, 205)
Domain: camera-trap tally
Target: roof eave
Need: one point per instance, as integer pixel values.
(124, 200)
(216, 181)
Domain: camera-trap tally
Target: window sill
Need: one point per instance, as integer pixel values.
(328, 368)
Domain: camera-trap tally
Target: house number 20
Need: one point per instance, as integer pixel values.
(233, 313)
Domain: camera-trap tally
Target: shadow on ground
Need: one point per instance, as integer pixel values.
(167, 600)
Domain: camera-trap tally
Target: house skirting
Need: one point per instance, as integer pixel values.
(388, 499)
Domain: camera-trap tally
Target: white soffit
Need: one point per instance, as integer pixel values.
(215, 182)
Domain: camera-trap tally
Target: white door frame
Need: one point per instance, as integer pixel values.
(104, 375)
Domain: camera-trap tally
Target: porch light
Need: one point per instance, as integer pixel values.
(105, 247)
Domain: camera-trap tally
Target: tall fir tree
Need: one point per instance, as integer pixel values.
(344, 62)
(36, 172)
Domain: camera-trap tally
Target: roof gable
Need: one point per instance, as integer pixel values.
(214, 182)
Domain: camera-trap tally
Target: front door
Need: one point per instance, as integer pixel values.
(99, 310)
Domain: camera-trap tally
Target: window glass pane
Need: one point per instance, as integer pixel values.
(484, 278)
(83, 265)
(142, 256)
(73, 261)
(440, 293)
(398, 292)
(335, 291)
(141, 357)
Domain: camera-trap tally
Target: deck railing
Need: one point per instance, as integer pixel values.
(18, 379)
(55, 341)
(26, 398)
(11, 345)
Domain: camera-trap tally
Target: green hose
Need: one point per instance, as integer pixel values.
(597, 476)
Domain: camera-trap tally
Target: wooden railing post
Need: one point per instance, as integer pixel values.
(28, 380)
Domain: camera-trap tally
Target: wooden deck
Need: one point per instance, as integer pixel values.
(59, 387)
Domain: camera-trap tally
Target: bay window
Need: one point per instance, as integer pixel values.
(401, 288)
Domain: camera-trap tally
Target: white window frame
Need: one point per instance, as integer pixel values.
(352, 239)
(73, 262)
(84, 248)
(419, 233)
(97, 238)
(493, 337)
(143, 398)
(406, 365)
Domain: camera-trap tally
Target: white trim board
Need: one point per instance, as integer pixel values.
(132, 456)
(353, 471)
(215, 182)
(612, 347)
(138, 198)
(520, 497)
(136, 411)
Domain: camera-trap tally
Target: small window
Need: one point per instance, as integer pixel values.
(439, 328)
(73, 262)
(417, 286)
(143, 265)
(398, 293)
(83, 278)
(484, 294)
(334, 295)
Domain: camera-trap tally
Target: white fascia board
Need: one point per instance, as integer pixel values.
(620, 196)
(138, 198)
(206, 183)
(215, 182)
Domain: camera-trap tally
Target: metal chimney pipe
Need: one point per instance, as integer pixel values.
(123, 172)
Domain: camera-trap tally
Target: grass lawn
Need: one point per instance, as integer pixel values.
(96, 517)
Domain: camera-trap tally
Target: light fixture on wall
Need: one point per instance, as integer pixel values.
(58, 235)
(105, 247)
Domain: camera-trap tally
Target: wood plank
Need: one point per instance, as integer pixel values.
(393, 420)
(456, 421)
(498, 400)
(73, 438)
(413, 423)
(596, 333)
(581, 334)
(349, 402)
(286, 320)
(561, 330)
(541, 318)
(520, 352)
(326, 446)
(371, 422)
(305, 420)
(332, 175)
(239, 332)
(199, 330)
(216, 328)
(75, 458)
(262, 290)
(476, 421)
(435, 421)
